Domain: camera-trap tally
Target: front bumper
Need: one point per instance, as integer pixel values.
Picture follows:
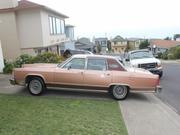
(158, 89)
(12, 81)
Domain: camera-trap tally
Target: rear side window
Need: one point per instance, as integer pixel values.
(114, 65)
(96, 64)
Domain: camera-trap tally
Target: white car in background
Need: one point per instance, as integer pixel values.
(144, 59)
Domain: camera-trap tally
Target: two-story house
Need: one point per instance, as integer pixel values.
(119, 44)
(27, 27)
(84, 44)
(102, 42)
(134, 43)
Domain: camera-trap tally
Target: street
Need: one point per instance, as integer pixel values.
(171, 86)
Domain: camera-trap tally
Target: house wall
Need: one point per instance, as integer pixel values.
(9, 36)
(70, 32)
(29, 28)
(1, 59)
(8, 3)
(119, 47)
(49, 39)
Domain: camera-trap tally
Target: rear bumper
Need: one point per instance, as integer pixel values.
(156, 71)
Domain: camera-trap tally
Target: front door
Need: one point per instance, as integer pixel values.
(71, 73)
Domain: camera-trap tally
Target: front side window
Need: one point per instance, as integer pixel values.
(75, 63)
(96, 64)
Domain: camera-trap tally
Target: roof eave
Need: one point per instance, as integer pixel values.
(54, 11)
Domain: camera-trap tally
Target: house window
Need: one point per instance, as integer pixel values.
(56, 25)
(62, 26)
(50, 25)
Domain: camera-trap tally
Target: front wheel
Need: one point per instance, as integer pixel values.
(119, 92)
(36, 86)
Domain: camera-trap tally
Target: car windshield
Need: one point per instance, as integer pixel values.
(141, 55)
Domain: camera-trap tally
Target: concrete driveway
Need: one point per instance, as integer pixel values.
(6, 87)
(145, 114)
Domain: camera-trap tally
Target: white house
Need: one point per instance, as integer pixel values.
(27, 27)
(1, 59)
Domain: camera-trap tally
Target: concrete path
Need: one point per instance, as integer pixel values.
(145, 114)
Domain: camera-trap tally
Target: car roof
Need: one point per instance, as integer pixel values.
(90, 55)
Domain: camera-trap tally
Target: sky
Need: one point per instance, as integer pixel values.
(127, 18)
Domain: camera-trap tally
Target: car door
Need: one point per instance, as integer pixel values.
(71, 73)
(96, 73)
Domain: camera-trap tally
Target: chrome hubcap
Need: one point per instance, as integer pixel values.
(35, 86)
(120, 92)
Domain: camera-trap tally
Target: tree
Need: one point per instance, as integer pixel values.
(144, 44)
(98, 48)
(176, 36)
(128, 47)
(109, 45)
(167, 38)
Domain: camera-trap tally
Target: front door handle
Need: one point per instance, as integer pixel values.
(107, 74)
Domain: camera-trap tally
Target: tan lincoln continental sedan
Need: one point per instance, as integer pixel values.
(92, 72)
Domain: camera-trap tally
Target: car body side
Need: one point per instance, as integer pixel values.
(55, 75)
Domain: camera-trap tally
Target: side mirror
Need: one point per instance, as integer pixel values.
(69, 67)
(127, 60)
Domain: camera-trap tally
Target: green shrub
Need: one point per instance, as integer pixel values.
(171, 56)
(8, 67)
(47, 57)
(23, 59)
(159, 55)
(174, 53)
(177, 52)
(164, 55)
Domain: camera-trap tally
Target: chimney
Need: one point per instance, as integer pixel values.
(8, 4)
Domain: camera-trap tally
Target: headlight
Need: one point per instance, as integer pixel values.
(159, 64)
(135, 65)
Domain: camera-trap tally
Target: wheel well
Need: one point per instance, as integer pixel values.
(30, 77)
(111, 86)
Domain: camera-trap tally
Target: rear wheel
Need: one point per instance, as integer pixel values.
(119, 92)
(36, 86)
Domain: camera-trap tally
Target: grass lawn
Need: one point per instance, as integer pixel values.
(27, 115)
